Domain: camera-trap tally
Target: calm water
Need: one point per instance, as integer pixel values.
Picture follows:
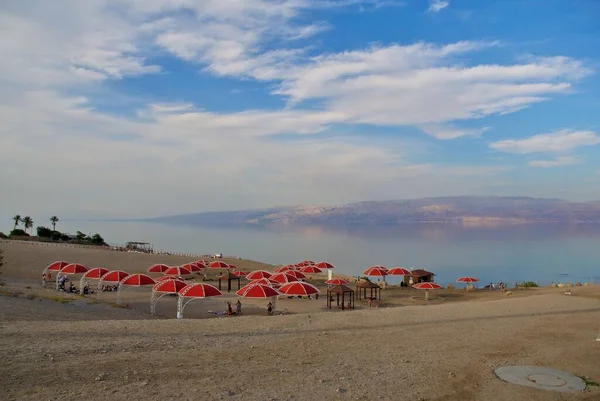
(542, 253)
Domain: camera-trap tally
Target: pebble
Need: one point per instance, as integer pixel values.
(340, 390)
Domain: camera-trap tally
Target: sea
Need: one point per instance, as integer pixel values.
(543, 253)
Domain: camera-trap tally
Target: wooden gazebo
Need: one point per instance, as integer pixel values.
(229, 277)
(342, 293)
(374, 290)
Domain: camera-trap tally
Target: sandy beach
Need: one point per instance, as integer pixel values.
(61, 346)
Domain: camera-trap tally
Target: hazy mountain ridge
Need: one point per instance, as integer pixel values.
(465, 210)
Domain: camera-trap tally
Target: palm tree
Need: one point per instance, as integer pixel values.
(54, 220)
(27, 222)
(17, 220)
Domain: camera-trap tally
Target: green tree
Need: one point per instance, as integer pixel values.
(54, 220)
(27, 222)
(44, 232)
(17, 220)
(81, 236)
(97, 239)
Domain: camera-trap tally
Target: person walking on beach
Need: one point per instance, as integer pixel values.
(238, 307)
(270, 309)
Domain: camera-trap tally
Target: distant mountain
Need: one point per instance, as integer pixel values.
(464, 209)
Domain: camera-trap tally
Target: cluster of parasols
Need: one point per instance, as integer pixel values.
(286, 280)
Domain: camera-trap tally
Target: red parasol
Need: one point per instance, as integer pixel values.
(467, 280)
(137, 280)
(378, 271)
(298, 275)
(282, 269)
(324, 265)
(427, 287)
(336, 281)
(283, 278)
(158, 268)
(217, 264)
(96, 273)
(298, 288)
(239, 273)
(259, 291)
(258, 274)
(310, 270)
(232, 266)
(192, 267)
(114, 276)
(265, 281)
(56, 266)
(199, 290)
(170, 286)
(165, 278)
(201, 263)
(399, 271)
(177, 271)
(73, 268)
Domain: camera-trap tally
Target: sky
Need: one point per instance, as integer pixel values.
(138, 108)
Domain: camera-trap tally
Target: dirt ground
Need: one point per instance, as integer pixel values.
(57, 346)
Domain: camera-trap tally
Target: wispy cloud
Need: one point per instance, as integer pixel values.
(436, 6)
(555, 142)
(558, 162)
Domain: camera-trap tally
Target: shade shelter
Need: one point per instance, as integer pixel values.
(53, 267)
(177, 271)
(201, 263)
(283, 278)
(336, 281)
(298, 288)
(326, 266)
(158, 268)
(134, 280)
(229, 276)
(467, 280)
(92, 274)
(419, 276)
(427, 287)
(362, 287)
(266, 281)
(297, 274)
(260, 291)
(113, 277)
(282, 269)
(399, 271)
(342, 293)
(258, 274)
(310, 269)
(162, 288)
(193, 267)
(218, 264)
(71, 268)
(239, 273)
(376, 271)
(195, 291)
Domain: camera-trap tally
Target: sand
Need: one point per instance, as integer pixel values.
(441, 350)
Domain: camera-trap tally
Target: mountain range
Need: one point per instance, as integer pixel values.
(466, 210)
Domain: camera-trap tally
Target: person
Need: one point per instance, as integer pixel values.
(229, 310)
(270, 309)
(238, 307)
(370, 302)
(317, 296)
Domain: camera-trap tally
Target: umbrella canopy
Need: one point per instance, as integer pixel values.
(258, 291)
(324, 265)
(177, 271)
(399, 271)
(308, 263)
(74, 268)
(137, 280)
(282, 269)
(158, 268)
(165, 278)
(298, 288)
(239, 273)
(170, 286)
(258, 274)
(265, 281)
(310, 270)
(192, 267)
(217, 264)
(199, 290)
(336, 281)
(427, 286)
(96, 272)
(283, 278)
(378, 271)
(114, 276)
(201, 263)
(232, 266)
(467, 280)
(56, 266)
(298, 275)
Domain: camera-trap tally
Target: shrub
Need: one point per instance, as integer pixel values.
(3, 236)
(18, 233)
(529, 284)
(44, 232)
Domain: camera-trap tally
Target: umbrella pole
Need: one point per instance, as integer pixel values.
(274, 302)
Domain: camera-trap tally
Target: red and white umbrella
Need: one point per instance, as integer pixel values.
(310, 270)
(377, 271)
(71, 268)
(165, 278)
(55, 266)
(232, 266)
(195, 291)
(258, 274)
(282, 269)
(427, 287)
(399, 271)
(298, 288)
(298, 275)
(324, 265)
(239, 273)
(177, 271)
(218, 264)
(467, 280)
(158, 268)
(92, 274)
(192, 267)
(283, 278)
(113, 276)
(336, 281)
(134, 280)
(169, 286)
(265, 281)
(259, 291)
(201, 263)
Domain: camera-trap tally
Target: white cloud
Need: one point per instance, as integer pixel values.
(436, 6)
(558, 162)
(555, 142)
(451, 132)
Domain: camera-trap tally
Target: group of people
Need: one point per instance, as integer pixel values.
(238, 309)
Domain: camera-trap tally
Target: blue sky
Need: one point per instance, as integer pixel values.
(116, 108)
